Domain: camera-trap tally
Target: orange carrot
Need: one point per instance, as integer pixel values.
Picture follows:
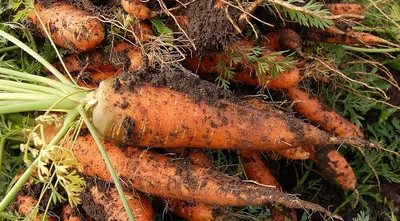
(156, 118)
(123, 56)
(108, 201)
(320, 115)
(68, 214)
(142, 32)
(282, 39)
(332, 164)
(138, 9)
(297, 153)
(243, 73)
(159, 175)
(196, 211)
(69, 27)
(256, 170)
(345, 8)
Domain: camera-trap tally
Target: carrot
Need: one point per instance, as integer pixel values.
(282, 39)
(332, 164)
(123, 56)
(297, 153)
(321, 115)
(159, 175)
(244, 73)
(26, 201)
(256, 170)
(69, 27)
(106, 199)
(337, 36)
(93, 79)
(161, 117)
(69, 214)
(142, 32)
(345, 8)
(195, 211)
(138, 9)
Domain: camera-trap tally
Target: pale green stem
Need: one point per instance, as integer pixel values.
(20, 90)
(35, 55)
(371, 50)
(38, 79)
(10, 48)
(28, 173)
(38, 105)
(27, 97)
(47, 90)
(103, 152)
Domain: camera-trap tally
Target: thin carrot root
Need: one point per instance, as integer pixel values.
(292, 154)
(345, 8)
(69, 27)
(256, 170)
(138, 9)
(100, 196)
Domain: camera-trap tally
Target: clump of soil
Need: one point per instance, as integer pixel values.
(209, 27)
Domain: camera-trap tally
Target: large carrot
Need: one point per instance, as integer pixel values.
(256, 170)
(159, 175)
(161, 117)
(69, 27)
(106, 199)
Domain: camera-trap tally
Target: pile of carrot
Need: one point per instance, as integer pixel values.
(140, 105)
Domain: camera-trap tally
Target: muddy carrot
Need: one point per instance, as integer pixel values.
(345, 8)
(138, 9)
(69, 214)
(69, 27)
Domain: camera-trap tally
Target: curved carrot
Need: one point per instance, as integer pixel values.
(162, 117)
(138, 9)
(69, 27)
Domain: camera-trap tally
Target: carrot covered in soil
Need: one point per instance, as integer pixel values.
(345, 8)
(138, 9)
(105, 199)
(282, 39)
(69, 27)
(257, 170)
(123, 56)
(159, 175)
(69, 214)
(162, 117)
(332, 164)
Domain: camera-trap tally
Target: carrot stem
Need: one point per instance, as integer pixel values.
(371, 50)
(35, 55)
(103, 152)
(10, 48)
(28, 173)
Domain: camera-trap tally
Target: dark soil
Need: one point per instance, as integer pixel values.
(209, 27)
(94, 210)
(394, 93)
